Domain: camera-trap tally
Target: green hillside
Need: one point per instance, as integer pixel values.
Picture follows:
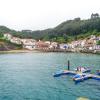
(65, 32)
(6, 45)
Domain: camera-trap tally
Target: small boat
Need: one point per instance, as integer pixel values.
(83, 69)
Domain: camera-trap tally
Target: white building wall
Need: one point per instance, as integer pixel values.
(16, 40)
(29, 47)
(8, 36)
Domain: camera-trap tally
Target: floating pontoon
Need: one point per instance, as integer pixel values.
(78, 77)
(80, 74)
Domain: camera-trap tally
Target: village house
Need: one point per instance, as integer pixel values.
(90, 43)
(93, 37)
(48, 42)
(42, 45)
(75, 44)
(96, 47)
(8, 36)
(29, 44)
(63, 46)
(98, 38)
(15, 40)
(82, 43)
(54, 45)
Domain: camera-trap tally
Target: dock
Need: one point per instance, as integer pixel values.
(64, 72)
(96, 77)
(82, 76)
(86, 77)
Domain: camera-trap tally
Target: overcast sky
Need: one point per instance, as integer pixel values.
(42, 14)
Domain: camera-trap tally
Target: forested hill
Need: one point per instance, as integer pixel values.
(66, 31)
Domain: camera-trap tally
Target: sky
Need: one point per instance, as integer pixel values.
(43, 14)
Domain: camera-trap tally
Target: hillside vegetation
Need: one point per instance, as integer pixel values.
(65, 32)
(6, 45)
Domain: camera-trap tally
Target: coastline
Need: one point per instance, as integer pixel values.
(17, 51)
(69, 51)
(47, 50)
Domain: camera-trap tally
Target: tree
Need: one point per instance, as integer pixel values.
(1, 35)
(98, 42)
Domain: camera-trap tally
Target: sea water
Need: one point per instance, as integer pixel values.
(29, 76)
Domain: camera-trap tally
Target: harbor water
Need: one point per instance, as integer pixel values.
(29, 76)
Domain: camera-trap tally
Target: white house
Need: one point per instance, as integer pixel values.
(83, 42)
(92, 37)
(16, 40)
(74, 44)
(48, 42)
(96, 47)
(29, 43)
(64, 46)
(53, 45)
(8, 36)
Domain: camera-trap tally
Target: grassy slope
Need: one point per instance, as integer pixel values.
(6, 45)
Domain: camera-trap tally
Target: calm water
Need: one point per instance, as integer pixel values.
(28, 76)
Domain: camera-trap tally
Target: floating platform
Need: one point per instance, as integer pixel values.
(86, 77)
(96, 77)
(82, 77)
(78, 76)
(64, 72)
